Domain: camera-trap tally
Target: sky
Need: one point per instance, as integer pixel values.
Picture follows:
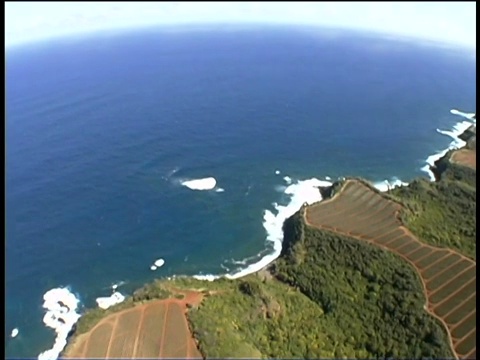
(446, 22)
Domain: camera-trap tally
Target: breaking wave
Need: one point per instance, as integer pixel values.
(306, 191)
(456, 142)
(208, 183)
(300, 192)
(386, 185)
(106, 302)
(61, 305)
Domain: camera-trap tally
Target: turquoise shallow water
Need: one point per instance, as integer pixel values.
(102, 131)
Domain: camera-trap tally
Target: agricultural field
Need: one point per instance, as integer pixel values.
(156, 329)
(465, 157)
(448, 277)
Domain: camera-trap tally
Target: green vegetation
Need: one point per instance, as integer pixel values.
(442, 213)
(152, 291)
(341, 298)
(331, 296)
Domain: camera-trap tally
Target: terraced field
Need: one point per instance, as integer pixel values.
(157, 329)
(449, 279)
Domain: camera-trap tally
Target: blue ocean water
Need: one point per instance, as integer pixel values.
(102, 130)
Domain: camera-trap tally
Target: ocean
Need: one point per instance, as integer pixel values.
(103, 133)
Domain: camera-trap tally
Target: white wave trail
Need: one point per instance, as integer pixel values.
(61, 316)
(208, 183)
(461, 113)
(300, 192)
(456, 142)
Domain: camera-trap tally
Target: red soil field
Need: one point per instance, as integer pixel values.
(465, 157)
(157, 329)
(448, 278)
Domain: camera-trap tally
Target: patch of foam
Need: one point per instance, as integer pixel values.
(116, 285)
(207, 277)
(461, 113)
(238, 262)
(61, 316)
(224, 267)
(388, 185)
(208, 183)
(159, 262)
(14, 332)
(106, 302)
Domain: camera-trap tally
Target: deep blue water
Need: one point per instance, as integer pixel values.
(100, 132)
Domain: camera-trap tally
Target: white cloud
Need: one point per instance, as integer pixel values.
(450, 22)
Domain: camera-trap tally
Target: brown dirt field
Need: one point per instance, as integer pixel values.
(465, 157)
(448, 277)
(96, 345)
(157, 329)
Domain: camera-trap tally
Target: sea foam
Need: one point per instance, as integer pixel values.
(300, 192)
(461, 113)
(208, 183)
(61, 306)
(106, 302)
(456, 142)
(386, 185)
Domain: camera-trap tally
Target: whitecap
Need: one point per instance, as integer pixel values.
(159, 262)
(14, 332)
(61, 315)
(287, 179)
(208, 183)
(106, 302)
(277, 172)
(220, 190)
(153, 268)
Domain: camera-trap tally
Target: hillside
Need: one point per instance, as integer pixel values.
(362, 274)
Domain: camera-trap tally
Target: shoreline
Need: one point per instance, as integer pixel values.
(311, 194)
(460, 134)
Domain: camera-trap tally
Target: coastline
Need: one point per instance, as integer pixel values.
(262, 267)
